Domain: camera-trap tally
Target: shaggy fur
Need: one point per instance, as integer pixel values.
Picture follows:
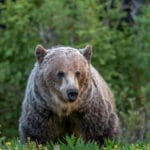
(47, 114)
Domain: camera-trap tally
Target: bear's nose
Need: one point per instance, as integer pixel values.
(72, 94)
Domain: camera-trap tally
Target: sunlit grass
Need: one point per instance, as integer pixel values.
(72, 144)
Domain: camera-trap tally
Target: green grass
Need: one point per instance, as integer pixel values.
(72, 144)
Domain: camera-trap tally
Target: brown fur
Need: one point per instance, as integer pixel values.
(47, 113)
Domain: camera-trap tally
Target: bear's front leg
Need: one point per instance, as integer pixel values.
(40, 130)
(114, 129)
(99, 127)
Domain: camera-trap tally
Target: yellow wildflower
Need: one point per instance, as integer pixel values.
(137, 145)
(8, 143)
(40, 145)
(28, 139)
(45, 148)
(115, 146)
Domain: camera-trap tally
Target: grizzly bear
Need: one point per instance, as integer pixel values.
(66, 95)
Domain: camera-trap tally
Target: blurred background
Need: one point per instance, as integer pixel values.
(119, 32)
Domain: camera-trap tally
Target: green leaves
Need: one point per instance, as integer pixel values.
(72, 143)
(121, 55)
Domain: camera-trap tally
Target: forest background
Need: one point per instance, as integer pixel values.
(121, 53)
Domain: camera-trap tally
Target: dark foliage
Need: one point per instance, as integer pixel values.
(122, 56)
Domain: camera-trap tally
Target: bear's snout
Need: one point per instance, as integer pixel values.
(72, 94)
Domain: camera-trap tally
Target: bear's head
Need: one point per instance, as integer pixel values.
(63, 73)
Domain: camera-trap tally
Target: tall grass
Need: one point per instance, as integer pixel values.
(72, 143)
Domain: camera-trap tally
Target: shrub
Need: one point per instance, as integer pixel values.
(122, 56)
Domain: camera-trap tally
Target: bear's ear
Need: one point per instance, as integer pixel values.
(40, 52)
(87, 52)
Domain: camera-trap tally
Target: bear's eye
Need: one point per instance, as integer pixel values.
(60, 74)
(77, 74)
